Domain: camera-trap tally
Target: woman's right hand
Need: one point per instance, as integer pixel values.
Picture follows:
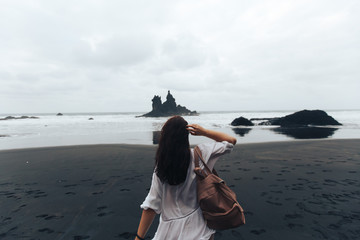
(196, 129)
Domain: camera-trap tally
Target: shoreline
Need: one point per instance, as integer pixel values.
(289, 190)
(239, 143)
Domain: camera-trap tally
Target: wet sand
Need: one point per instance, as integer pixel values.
(289, 190)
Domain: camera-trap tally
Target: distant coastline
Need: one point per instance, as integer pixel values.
(114, 128)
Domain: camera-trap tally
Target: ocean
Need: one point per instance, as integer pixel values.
(126, 128)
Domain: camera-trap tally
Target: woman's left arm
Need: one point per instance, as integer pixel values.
(146, 220)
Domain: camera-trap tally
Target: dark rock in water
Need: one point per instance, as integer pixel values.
(241, 121)
(305, 132)
(241, 131)
(269, 121)
(304, 118)
(168, 108)
(91, 119)
(22, 117)
(59, 114)
(4, 135)
(260, 119)
(27, 117)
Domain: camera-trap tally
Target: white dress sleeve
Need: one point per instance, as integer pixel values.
(212, 151)
(153, 199)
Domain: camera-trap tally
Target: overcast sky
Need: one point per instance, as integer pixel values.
(114, 56)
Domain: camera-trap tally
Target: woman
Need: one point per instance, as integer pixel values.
(173, 188)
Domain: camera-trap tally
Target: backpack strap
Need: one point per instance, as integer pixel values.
(201, 172)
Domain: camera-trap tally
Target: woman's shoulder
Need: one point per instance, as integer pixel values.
(215, 147)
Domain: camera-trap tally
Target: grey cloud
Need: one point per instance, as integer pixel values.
(184, 52)
(244, 53)
(116, 51)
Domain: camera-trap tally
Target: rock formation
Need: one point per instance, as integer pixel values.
(168, 108)
(241, 121)
(15, 118)
(303, 118)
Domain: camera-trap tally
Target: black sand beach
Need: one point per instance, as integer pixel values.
(289, 190)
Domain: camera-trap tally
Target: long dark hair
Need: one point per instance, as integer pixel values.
(173, 154)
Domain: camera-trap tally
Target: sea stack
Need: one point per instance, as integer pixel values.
(168, 108)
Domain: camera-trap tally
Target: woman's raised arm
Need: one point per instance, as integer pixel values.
(197, 130)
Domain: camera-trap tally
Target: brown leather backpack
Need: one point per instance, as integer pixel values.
(217, 201)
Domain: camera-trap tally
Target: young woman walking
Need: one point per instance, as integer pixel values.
(173, 189)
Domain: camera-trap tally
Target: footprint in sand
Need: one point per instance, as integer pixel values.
(49, 217)
(96, 193)
(274, 203)
(278, 191)
(2, 235)
(19, 208)
(126, 235)
(53, 217)
(263, 194)
(100, 183)
(6, 219)
(31, 184)
(244, 169)
(333, 226)
(258, 232)
(124, 190)
(86, 180)
(315, 187)
(77, 237)
(102, 214)
(294, 225)
(46, 230)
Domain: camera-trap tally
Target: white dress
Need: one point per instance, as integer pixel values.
(180, 215)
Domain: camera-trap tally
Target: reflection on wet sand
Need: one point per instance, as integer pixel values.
(241, 131)
(305, 132)
(156, 137)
